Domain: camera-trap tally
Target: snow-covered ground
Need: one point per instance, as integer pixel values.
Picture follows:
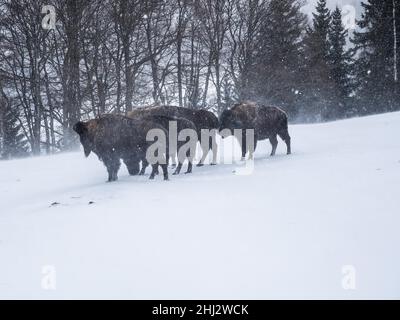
(309, 225)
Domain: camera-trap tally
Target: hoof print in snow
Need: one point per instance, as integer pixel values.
(54, 204)
(91, 202)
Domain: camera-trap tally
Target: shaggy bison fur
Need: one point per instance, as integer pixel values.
(182, 124)
(267, 123)
(202, 119)
(115, 137)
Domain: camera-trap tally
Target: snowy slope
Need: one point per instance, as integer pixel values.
(285, 231)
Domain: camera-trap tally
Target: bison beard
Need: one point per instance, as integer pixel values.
(267, 123)
(115, 137)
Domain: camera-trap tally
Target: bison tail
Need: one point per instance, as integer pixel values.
(283, 122)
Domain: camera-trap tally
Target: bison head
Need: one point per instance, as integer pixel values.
(82, 129)
(228, 122)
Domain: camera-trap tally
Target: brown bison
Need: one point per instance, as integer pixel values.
(181, 124)
(267, 123)
(202, 119)
(115, 137)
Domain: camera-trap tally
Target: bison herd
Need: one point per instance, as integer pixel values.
(144, 137)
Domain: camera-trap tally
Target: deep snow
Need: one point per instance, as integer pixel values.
(285, 231)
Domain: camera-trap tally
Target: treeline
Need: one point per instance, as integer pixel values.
(110, 56)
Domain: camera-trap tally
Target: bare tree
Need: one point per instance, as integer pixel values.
(71, 13)
(244, 30)
(215, 17)
(24, 60)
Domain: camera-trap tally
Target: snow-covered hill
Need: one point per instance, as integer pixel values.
(309, 225)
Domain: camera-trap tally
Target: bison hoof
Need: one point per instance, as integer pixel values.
(151, 178)
(200, 164)
(213, 164)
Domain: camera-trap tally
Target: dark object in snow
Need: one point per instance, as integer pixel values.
(54, 204)
(202, 119)
(91, 202)
(267, 123)
(114, 137)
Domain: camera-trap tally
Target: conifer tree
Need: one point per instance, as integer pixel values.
(340, 60)
(374, 43)
(319, 93)
(320, 30)
(14, 144)
(279, 56)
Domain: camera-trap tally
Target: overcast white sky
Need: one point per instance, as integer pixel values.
(332, 3)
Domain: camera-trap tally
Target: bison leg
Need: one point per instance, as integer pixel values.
(204, 151)
(252, 150)
(178, 169)
(165, 171)
(164, 167)
(144, 166)
(155, 168)
(181, 159)
(112, 164)
(244, 146)
(286, 137)
(153, 171)
(274, 142)
(190, 166)
(214, 149)
(190, 158)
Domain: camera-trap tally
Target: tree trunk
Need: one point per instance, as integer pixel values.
(179, 67)
(71, 105)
